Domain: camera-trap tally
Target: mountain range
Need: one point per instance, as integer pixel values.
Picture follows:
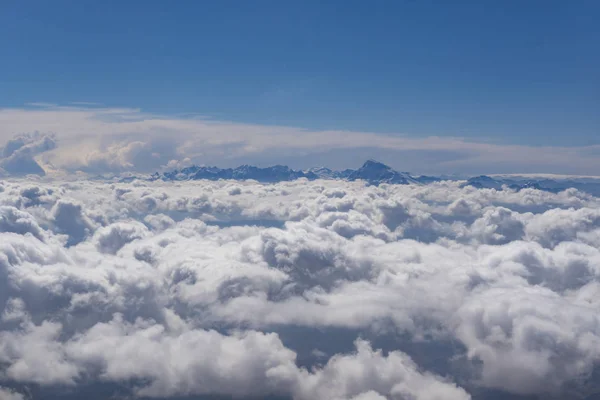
(372, 171)
(376, 173)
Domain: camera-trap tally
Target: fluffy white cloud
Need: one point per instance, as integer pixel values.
(18, 155)
(7, 394)
(304, 290)
(395, 377)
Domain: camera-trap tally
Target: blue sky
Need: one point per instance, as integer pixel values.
(501, 71)
(426, 86)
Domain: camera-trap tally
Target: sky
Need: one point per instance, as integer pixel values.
(502, 73)
(302, 289)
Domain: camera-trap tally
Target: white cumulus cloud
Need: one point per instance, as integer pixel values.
(298, 290)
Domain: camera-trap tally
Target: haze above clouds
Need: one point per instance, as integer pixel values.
(303, 290)
(94, 139)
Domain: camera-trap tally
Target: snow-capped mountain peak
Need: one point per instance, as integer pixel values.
(376, 172)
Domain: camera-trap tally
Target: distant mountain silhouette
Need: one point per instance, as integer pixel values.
(371, 171)
(374, 173)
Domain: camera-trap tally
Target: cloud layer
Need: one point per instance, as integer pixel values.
(101, 140)
(303, 290)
